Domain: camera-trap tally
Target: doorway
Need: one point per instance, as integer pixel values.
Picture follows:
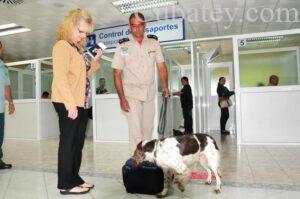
(213, 59)
(178, 61)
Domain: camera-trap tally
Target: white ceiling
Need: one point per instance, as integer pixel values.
(44, 16)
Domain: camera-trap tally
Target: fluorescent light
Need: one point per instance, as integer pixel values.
(12, 28)
(10, 25)
(176, 48)
(129, 6)
(14, 31)
(265, 39)
(263, 42)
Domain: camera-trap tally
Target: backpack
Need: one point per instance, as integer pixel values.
(147, 178)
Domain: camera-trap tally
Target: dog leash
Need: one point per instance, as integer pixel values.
(162, 117)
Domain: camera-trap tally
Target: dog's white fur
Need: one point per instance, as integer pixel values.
(167, 155)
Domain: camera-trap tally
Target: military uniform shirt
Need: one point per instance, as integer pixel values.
(4, 81)
(137, 63)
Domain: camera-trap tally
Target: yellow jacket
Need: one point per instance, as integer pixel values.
(69, 75)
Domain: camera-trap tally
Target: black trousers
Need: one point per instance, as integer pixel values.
(188, 120)
(224, 118)
(71, 141)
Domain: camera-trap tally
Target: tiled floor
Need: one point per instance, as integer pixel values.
(248, 171)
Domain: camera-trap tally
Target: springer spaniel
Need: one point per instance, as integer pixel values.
(177, 155)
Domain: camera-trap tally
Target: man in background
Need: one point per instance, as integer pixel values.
(45, 95)
(5, 93)
(273, 80)
(101, 89)
(186, 99)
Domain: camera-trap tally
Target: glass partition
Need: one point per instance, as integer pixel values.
(269, 61)
(178, 61)
(174, 76)
(22, 81)
(28, 86)
(213, 59)
(14, 83)
(104, 77)
(215, 74)
(46, 78)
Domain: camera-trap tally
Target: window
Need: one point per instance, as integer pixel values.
(46, 78)
(104, 76)
(263, 57)
(22, 79)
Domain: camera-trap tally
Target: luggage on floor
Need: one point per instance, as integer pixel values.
(147, 178)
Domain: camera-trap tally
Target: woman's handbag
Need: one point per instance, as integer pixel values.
(225, 103)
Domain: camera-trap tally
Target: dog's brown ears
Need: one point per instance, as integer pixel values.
(138, 155)
(139, 146)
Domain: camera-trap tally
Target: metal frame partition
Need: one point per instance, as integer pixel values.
(34, 118)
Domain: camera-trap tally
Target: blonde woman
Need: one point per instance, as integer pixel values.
(70, 95)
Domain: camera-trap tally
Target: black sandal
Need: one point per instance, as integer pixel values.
(69, 192)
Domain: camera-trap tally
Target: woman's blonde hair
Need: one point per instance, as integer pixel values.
(74, 17)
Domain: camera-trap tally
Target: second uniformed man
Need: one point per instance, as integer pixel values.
(134, 76)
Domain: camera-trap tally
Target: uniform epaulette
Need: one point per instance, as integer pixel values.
(123, 40)
(152, 37)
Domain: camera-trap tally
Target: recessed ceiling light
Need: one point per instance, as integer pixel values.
(10, 25)
(13, 30)
(183, 47)
(129, 6)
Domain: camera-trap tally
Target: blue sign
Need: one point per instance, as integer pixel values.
(166, 30)
(242, 42)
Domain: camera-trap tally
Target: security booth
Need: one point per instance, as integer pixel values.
(260, 114)
(246, 61)
(266, 113)
(35, 117)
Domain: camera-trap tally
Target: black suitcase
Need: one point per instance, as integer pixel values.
(147, 178)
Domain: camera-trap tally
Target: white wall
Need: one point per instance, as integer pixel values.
(270, 115)
(49, 120)
(111, 123)
(214, 113)
(23, 123)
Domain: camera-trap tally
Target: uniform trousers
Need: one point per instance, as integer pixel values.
(1, 135)
(140, 121)
(71, 141)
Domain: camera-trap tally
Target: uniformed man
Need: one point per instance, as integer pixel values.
(5, 93)
(186, 99)
(134, 76)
